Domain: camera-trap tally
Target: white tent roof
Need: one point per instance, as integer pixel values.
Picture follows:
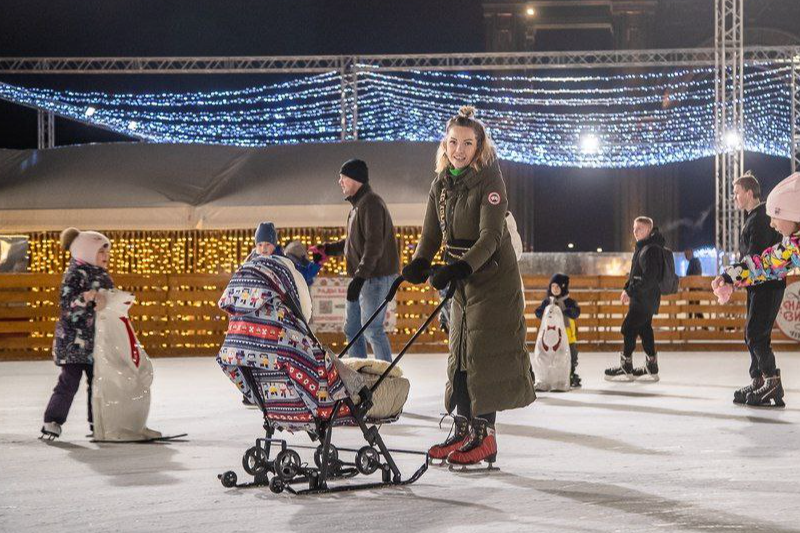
(158, 186)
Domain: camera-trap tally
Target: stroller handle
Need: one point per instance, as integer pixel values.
(389, 297)
(451, 290)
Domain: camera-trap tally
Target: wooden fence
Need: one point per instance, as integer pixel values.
(176, 314)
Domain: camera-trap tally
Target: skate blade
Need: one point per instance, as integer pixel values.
(478, 468)
(48, 436)
(620, 379)
(648, 378)
(776, 405)
(437, 462)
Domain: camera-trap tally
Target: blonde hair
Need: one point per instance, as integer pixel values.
(485, 153)
(645, 220)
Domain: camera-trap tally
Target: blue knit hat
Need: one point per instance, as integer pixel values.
(266, 233)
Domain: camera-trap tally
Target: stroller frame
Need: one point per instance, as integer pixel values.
(286, 469)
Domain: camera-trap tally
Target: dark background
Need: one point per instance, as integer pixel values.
(556, 206)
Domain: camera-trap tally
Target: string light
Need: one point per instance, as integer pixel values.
(623, 120)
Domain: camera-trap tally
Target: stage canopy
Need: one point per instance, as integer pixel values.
(159, 186)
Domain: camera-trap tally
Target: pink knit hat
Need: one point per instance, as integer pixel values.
(784, 200)
(83, 245)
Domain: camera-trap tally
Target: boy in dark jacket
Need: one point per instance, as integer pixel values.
(643, 296)
(558, 294)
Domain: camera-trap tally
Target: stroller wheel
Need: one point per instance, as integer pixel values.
(287, 464)
(333, 457)
(367, 460)
(228, 479)
(255, 461)
(276, 485)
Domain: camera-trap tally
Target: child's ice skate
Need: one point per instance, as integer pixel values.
(648, 372)
(623, 372)
(480, 447)
(770, 394)
(50, 431)
(459, 433)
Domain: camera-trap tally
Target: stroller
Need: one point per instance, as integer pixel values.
(342, 398)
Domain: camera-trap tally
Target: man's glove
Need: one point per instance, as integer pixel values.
(446, 274)
(417, 271)
(354, 289)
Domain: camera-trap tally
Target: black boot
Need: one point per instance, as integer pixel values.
(623, 372)
(575, 381)
(740, 396)
(770, 394)
(648, 372)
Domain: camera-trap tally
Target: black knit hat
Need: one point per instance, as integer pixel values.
(356, 169)
(562, 280)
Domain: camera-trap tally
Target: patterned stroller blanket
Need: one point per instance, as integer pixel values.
(298, 380)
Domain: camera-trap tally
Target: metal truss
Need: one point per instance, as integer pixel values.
(668, 57)
(46, 131)
(795, 116)
(729, 119)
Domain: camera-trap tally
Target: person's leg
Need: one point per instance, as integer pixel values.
(461, 395)
(352, 325)
(372, 296)
(648, 338)
(63, 394)
(630, 332)
(89, 370)
(765, 308)
(755, 369)
(459, 433)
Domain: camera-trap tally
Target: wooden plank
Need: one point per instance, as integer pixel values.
(25, 342)
(29, 280)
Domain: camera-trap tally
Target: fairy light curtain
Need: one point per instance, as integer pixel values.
(618, 121)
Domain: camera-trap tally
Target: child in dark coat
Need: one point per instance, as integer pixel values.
(73, 345)
(558, 294)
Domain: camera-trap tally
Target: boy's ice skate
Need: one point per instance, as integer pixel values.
(480, 447)
(770, 394)
(459, 433)
(648, 372)
(623, 372)
(50, 431)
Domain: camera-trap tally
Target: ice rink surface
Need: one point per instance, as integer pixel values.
(671, 456)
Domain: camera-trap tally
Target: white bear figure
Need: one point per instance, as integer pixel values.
(122, 374)
(551, 357)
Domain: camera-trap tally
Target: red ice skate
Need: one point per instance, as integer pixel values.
(481, 446)
(458, 436)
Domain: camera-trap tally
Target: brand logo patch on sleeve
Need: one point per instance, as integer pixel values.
(494, 198)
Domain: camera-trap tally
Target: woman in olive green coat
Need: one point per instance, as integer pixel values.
(489, 368)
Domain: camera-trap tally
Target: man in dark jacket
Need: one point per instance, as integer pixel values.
(372, 258)
(643, 296)
(764, 300)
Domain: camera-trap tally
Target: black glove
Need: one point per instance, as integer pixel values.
(446, 274)
(354, 289)
(317, 257)
(417, 271)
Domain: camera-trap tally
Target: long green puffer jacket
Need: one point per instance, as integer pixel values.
(487, 331)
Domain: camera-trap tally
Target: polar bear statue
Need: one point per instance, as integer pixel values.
(551, 357)
(122, 374)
